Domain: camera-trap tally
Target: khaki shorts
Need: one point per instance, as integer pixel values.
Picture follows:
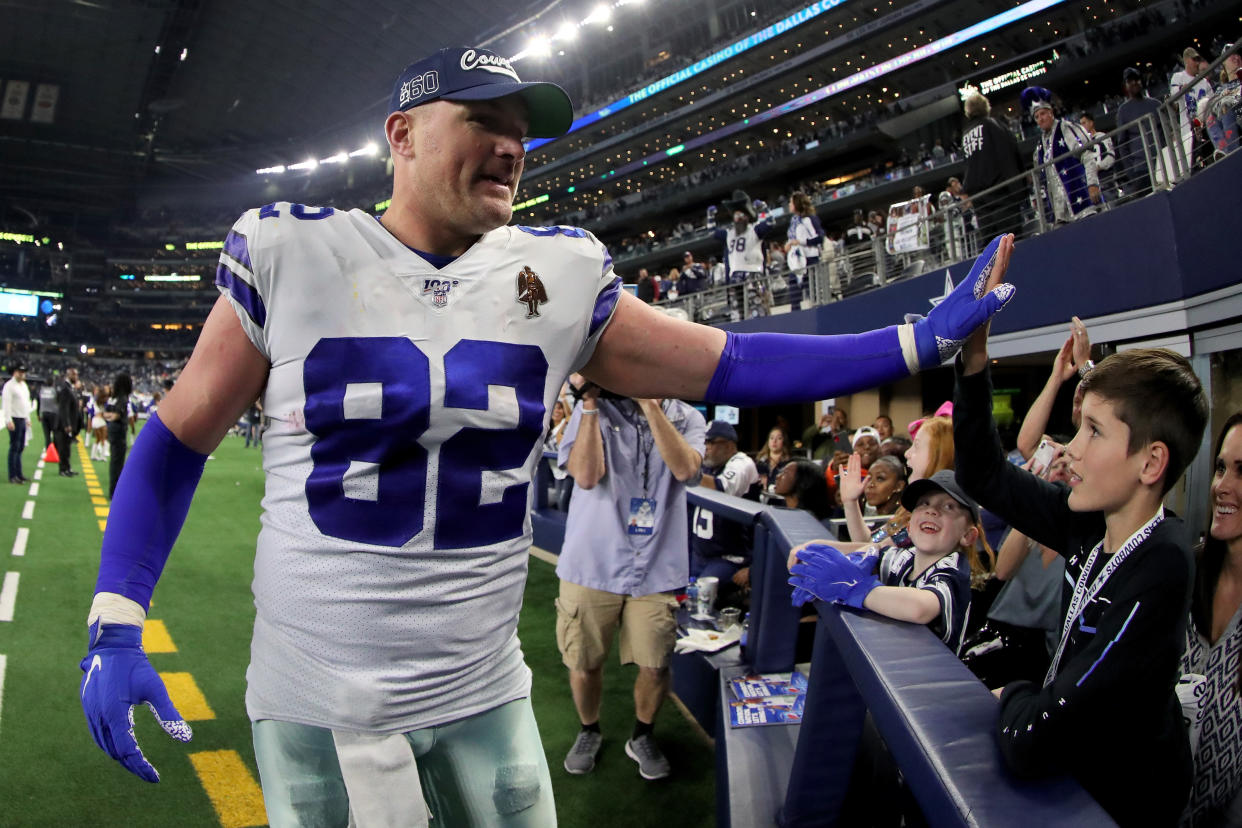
(587, 619)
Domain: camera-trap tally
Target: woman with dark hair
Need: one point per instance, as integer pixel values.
(120, 419)
(802, 484)
(1214, 647)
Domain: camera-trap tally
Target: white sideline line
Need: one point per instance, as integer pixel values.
(38, 474)
(8, 595)
(19, 543)
(3, 659)
(34, 489)
(28, 510)
(39, 465)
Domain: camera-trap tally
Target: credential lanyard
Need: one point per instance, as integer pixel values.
(1084, 594)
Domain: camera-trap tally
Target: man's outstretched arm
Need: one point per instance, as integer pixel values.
(152, 499)
(644, 353)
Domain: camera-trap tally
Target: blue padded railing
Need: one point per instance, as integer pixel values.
(773, 620)
(938, 721)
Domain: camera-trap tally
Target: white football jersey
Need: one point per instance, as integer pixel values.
(745, 250)
(407, 406)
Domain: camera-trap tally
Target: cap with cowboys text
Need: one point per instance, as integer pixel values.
(460, 74)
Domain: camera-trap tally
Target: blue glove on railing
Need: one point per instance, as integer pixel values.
(823, 572)
(864, 560)
(117, 676)
(940, 335)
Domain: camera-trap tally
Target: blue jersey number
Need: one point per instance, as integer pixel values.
(368, 402)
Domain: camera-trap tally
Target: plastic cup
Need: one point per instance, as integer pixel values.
(707, 594)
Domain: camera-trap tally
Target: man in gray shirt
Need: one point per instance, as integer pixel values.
(625, 552)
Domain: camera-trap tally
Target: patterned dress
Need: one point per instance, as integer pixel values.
(1216, 798)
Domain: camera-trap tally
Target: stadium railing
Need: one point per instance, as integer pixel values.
(936, 718)
(1152, 154)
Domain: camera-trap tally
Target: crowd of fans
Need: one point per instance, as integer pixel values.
(893, 509)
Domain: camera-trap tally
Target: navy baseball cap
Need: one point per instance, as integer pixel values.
(460, 74)
(720, 430)
(945, 481)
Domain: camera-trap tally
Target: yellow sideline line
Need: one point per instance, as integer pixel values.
(155, 637)
(230, 787)
(186, 697)
(234, 794)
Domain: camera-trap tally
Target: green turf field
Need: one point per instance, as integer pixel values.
(51, 773)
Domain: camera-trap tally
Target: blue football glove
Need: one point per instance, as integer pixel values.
(940, 335)
(865, 560)
(117, 676)
(828, 575)
(800, 596)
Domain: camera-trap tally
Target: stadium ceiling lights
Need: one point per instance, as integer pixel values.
(540, 45)
(341, 157)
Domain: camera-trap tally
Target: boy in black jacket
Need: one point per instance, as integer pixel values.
(1106, 712)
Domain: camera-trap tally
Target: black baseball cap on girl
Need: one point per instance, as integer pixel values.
(469, 74)
(944, 481)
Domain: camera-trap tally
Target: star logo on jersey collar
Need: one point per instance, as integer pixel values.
(530, 291)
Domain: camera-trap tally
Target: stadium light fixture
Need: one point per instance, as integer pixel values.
(340, 158)
(370, 149)
(600, 14)
(279, 168)
(539, 46)
(567, 31)
(308, 164)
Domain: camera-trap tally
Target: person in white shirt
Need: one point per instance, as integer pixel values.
(1189, 95)
(16, 406)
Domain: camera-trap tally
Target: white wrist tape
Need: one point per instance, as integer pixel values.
(110, 608)
(909, 348)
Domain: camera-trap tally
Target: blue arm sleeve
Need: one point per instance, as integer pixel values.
(769, 368)
(148, 510)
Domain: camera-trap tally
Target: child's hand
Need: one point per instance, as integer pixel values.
(797, 550)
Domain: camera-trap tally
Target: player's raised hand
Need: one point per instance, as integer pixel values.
(116, 677)
(968, 307)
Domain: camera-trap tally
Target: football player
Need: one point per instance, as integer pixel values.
(407, 378)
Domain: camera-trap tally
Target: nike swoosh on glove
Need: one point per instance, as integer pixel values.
(864, 560)
(117, 677)
(941, 334)
(825, 573)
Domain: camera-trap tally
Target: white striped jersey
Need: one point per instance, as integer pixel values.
(407, 405)
(948, 579)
